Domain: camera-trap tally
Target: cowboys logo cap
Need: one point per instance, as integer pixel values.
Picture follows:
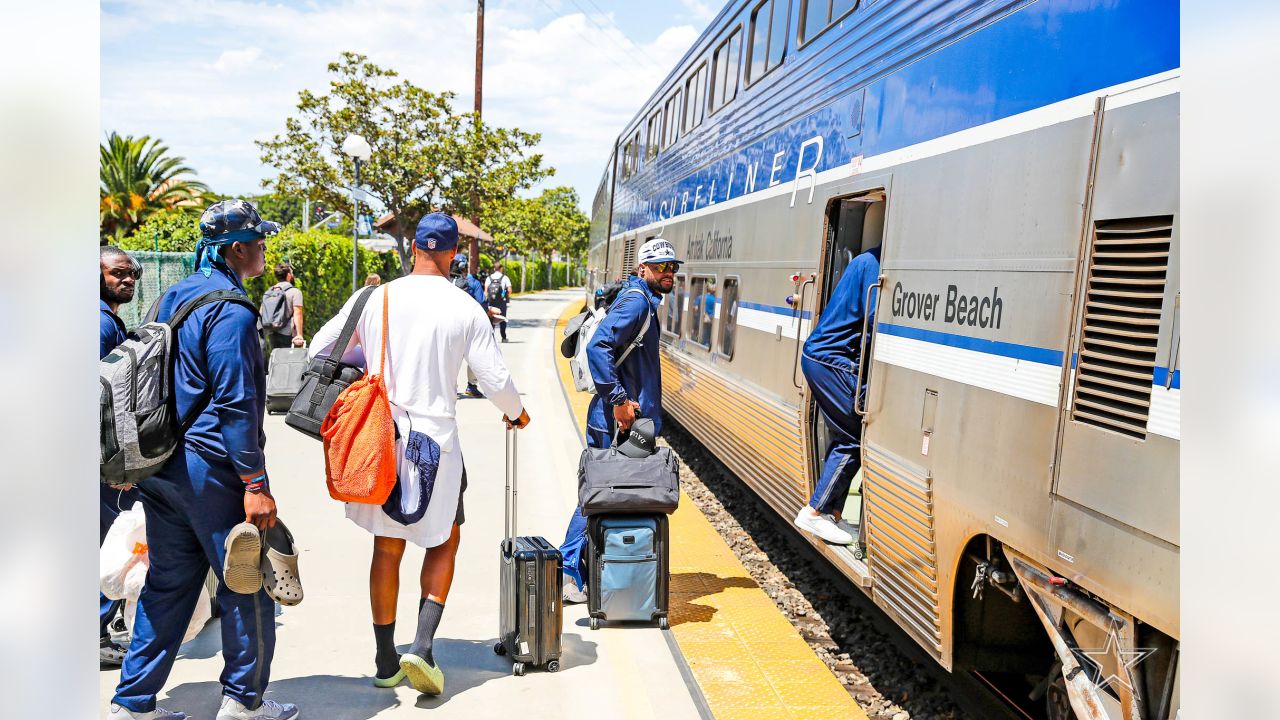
(641, 440)
(657, 250)
(236, 218)
(436, 231)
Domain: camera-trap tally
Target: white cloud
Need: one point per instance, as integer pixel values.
(231, 61)
(575, 81)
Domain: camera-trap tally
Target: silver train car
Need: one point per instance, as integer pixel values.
(1017, 162)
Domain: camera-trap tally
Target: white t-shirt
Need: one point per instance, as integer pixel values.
(432, 327)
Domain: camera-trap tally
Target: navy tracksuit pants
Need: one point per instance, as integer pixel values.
(191, 507)
(111, 503)
(575, 537)
(834, 389)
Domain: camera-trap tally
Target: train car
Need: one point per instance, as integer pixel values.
(1017, 162)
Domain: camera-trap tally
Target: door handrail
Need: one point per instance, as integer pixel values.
(863, 356)
(799, 318)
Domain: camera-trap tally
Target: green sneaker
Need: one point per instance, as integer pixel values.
(423, 676)
(389, 682)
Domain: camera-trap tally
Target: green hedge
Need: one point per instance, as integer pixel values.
(321, 262)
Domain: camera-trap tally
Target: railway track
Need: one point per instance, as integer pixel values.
(884, 671)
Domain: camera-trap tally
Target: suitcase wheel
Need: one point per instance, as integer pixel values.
(595, 623)
(662, 622)
(499, 648)
(517, 669)
(553, 665)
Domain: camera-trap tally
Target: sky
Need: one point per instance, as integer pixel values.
(209, 78)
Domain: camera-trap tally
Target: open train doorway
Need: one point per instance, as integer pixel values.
(854, 225)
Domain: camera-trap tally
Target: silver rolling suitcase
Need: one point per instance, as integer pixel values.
(530, 615)
(284, 378)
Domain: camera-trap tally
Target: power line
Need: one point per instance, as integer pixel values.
(584, 36)
(615, 25)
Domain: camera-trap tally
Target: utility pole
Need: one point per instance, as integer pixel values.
(473, 257)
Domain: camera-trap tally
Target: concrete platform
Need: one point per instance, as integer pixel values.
(324, 655)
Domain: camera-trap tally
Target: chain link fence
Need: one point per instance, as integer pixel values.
(159, 271)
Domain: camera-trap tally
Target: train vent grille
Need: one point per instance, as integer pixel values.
(628, 255)
(1116, 364)
(902, 553)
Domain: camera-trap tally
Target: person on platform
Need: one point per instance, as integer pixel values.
(497, 293)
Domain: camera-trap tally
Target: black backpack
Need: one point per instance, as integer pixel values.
(461, 281)
(496, 293)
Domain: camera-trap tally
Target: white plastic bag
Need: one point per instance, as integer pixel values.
(123, 563)
(122, 560)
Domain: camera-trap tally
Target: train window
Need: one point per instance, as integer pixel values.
(728, 316)
(818, 15)
(677, 317)
(702, 310)
(626, 161)
(694, 91)
(671, 130)
(768, 38)
(653, 135)
(724, 71)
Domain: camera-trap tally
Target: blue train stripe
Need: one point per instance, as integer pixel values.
(964, 342)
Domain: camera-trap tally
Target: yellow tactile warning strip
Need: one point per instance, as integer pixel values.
(747, 658)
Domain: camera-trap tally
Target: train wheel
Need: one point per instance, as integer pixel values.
(1057, 704)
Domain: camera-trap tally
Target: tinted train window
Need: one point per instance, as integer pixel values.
(695, 108)
(728, 316)
(653, 135)
(672, 127)
(677, 320)
(820, 14)
(702, 310)
(724, 71)
(768, 38)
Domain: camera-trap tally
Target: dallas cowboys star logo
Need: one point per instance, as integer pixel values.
(1127, 659)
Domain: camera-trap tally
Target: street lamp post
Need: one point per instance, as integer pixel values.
(357, 148)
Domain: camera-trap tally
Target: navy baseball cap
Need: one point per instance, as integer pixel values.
(436, 231)
(230, 221)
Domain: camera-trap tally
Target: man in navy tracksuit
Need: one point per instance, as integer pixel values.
(626, 391)
(468, 282)
(120, 274)
(214, 481)
(830, 363)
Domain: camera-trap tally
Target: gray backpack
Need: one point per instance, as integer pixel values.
(276, 313)
(140, 427)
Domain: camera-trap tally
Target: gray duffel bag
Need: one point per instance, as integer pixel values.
(610, 482)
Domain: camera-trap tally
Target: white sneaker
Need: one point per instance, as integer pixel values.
(822, 526)
(269, 710)
(572, 594)
(119, 713)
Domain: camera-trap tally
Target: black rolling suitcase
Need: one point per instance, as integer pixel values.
(629, 572)
(530, 615)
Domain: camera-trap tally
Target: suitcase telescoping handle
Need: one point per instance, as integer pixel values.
(509, 495)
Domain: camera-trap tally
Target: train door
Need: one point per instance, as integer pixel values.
(854, 225)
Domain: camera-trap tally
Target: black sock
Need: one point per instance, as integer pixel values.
(428, 621)
(387, 659)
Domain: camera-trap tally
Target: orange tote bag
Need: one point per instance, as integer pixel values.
(359, 436)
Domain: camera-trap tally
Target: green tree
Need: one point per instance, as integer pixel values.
(425, 157)
(137, 177)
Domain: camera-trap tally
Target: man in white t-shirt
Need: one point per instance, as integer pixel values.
(497, 293)
(432, 326)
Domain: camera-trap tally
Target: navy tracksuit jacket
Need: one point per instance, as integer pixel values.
(194, 501)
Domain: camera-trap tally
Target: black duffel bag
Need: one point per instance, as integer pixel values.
(611, 482)
(326, 377)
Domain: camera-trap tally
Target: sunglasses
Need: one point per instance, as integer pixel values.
(664, 267)
(121, 274)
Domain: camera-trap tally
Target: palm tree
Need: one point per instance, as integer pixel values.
(137, 177)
